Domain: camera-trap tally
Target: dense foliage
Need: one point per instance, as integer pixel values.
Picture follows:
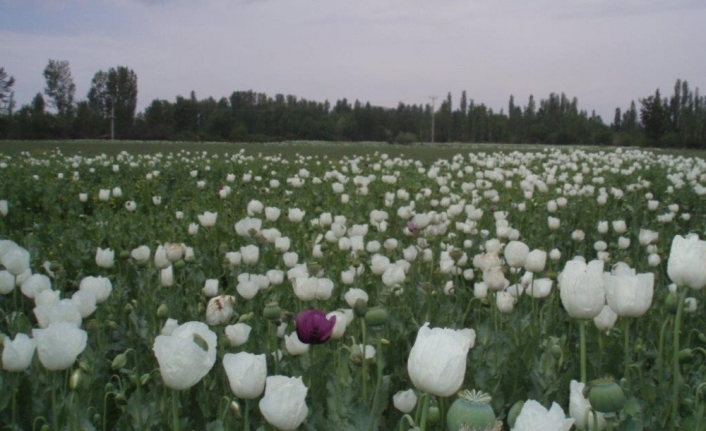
(675, 122)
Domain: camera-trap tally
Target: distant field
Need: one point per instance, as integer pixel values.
(306, 148)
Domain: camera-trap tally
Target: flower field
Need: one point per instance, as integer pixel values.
(544, 289)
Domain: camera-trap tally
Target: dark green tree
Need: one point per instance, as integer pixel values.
(7, 101)
(114, 94)
(60, 87)
(654, 117)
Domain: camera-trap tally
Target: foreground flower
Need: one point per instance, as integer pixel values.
(284, 404)
(59, 345)
(437, 361)
(686, 266)
(534, 417)
(17, 354)
(629, 294)
(581, 288)
(246, 374)
(185, 356)
(314, 327)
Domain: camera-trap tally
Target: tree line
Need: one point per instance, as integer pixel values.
(109, 109)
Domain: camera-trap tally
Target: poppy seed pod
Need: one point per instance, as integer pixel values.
(471, 410)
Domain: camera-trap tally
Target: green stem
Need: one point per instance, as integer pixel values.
(14, 400)
(626, 347)
(425, 411)
(660, 356)
(582, 334)
(246, 418)
(676, 372)
(54, 411)
(175, 410)
(378, 383)
(364, 372)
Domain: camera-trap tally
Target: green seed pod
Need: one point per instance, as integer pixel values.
(606, 396)
(109, 387)
(75, 379)
(124, 255)
(376, 316)
(163, 311)
(702, 337)
(120, 399)
(119, 361)
(514, 413)
(142, 264)
(179, 264)
(556, 351)
(360, 307)
(128, 308)
(97, 418)
(272, 311)
(433, 415)
(670, 302)
(45, 427)
(472, 410)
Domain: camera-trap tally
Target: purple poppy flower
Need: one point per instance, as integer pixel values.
(313, 327)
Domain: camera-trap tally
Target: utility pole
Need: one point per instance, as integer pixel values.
(433, 103)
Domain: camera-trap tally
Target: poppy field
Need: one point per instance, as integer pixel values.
(490, 289)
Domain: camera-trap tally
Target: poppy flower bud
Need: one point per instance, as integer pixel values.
(119, 361)
(163, 311)
(75, 379)
(360, 307)
(514, 413)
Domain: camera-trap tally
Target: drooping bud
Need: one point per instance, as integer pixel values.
(119, 361)
(75, 379)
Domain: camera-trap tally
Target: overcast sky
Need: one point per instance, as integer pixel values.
(604, 52)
